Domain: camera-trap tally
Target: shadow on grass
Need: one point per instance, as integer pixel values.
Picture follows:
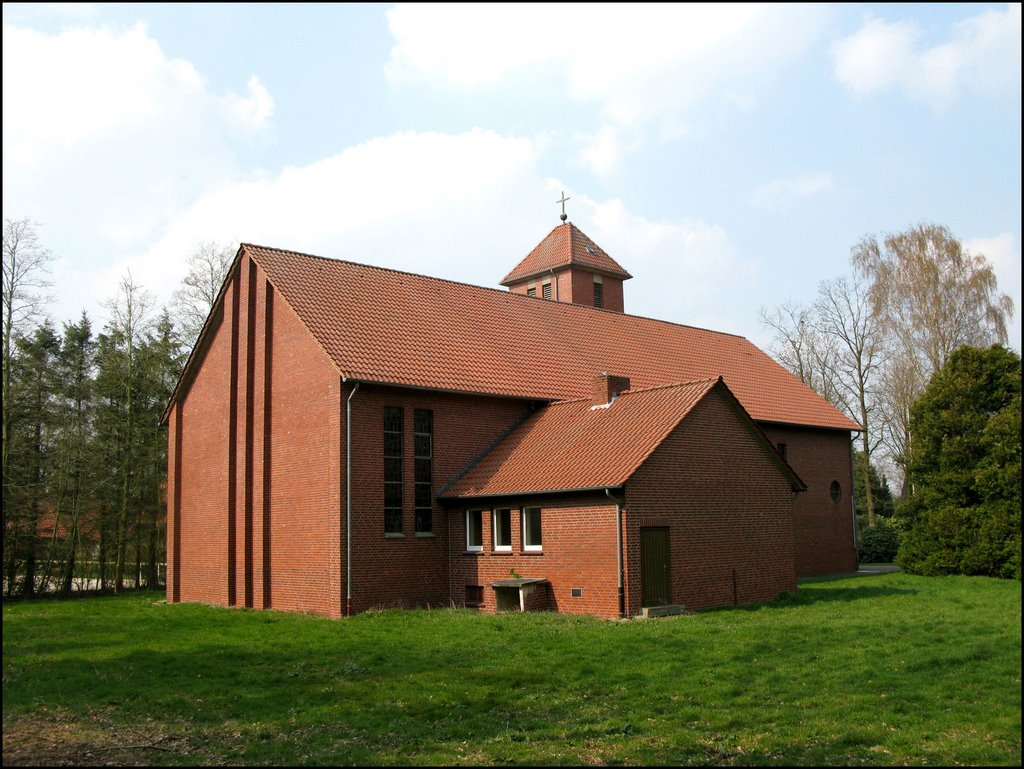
(805, 597)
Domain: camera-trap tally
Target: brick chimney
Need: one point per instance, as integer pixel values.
(606, 387)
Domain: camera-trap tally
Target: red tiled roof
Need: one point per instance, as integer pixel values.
(563, 247)
(572, 445)
(381, 325)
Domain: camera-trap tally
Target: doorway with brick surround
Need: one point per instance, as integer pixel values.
(654, 560)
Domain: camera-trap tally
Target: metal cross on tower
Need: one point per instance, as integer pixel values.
(564, 216)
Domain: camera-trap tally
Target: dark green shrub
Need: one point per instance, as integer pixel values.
(964, 467)
(879, 543)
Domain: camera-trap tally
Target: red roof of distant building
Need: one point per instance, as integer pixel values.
(381, 325)
(565, 246)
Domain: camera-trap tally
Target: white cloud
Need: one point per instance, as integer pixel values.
(639, 64)
(466, 207)
(102, 130)
(253, 111)
(65, 12)
(600, 152)
(782, 192)
(130, 157)
(685, 271)
(983, 55)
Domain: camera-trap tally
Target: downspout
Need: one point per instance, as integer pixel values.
(348, 499)
(618, 550)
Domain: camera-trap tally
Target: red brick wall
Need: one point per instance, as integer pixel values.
(728, 509)
(306, 471)
(824, 529)
(202, 514)
(578, 537)
(561, 285)
(582, 290)
(256, 507)
(259, 476)
(614, 298)
(410, 570)
(576, 286)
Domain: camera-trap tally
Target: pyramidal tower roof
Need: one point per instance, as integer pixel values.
(565, 246)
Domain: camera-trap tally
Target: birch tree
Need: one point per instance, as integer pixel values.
(931, 296)
(26, 263)
(207, 267)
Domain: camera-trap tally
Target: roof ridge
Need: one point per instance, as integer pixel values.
(638, 391)
(503, 292)
(704, 380)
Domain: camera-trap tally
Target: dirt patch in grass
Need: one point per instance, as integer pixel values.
(58, 739)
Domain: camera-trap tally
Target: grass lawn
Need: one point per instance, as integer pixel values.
(887, 669)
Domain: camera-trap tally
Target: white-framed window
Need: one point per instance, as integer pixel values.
(474, 530)
(531, 530)
(502, 530)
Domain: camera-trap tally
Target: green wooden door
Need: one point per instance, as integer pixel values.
(654, 566)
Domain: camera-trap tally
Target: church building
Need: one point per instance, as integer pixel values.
(347, 437)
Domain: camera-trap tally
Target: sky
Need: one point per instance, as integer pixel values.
(728, 156)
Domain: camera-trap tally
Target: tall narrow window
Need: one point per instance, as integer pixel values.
(423, 446)
(531, 529)
(474, 530)
(598, 295)
(782, 449)
(502, 530)
(392, 470)
(545, 291)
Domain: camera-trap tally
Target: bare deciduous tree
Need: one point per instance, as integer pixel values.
(843, 312)
(207, 268)
(25, 266)
(802, 348)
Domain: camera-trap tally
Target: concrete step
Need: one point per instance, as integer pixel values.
(671, 610)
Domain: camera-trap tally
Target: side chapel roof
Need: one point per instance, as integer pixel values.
(573, 445)
(381, 325)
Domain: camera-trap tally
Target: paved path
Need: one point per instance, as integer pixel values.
(865, 570)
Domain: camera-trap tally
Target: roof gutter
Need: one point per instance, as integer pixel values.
(522, 493)
(348, 498)
(618, 550)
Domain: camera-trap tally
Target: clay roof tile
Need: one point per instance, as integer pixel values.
(388, 326)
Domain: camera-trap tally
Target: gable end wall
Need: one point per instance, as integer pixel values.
(728, 509)
(254, 509)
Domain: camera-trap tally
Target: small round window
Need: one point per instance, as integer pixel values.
(836, 491)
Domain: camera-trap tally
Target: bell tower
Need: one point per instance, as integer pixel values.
(567, 266)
